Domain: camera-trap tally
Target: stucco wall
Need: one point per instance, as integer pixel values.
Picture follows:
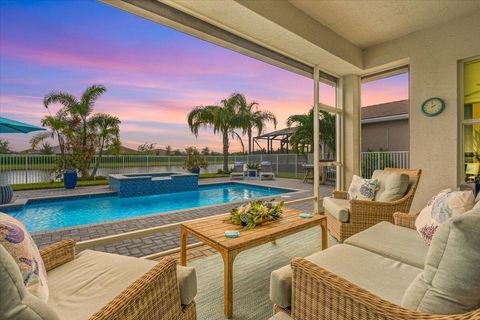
(390, 135)
(434, 55)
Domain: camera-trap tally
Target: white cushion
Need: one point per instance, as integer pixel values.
(391, 241)
(339, 208)
(367, 270)
(362, 189)
(391, 185)
(477, 201)
(94, 278)
(187, 283)
(440, 208)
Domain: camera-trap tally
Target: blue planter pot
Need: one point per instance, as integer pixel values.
(252, 173)
(70, 179)
(6, 194)
(196, 170)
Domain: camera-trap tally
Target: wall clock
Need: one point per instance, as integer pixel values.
(432, 107)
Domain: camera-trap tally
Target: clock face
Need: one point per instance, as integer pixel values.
(433, 106)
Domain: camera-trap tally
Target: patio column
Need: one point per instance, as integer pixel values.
(317, 207)
(352, 127)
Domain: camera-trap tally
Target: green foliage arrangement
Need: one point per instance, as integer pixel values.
(256, 212)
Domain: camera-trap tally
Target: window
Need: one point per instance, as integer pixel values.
(471, 120)
(385, 121)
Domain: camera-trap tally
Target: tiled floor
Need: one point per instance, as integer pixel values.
(158, 242)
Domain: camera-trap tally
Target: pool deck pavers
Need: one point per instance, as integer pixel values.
(160, 241)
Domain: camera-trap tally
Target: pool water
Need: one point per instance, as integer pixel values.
(54, 214)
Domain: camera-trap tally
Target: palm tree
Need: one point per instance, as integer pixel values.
(223, 118)
(328, 131)
(107, 129)
(79, 110)
(58, 127)
(253, 118)
(302, 136)
(4, 146)
(46, 148)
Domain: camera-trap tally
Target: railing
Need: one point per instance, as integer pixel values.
(372, 161)
(24, 168)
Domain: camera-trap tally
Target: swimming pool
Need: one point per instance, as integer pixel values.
(53, 214)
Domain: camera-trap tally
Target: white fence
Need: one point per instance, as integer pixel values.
(372, 161)
(24, 168)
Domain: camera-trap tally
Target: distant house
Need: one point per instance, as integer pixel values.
(385, 126)
(160, 152)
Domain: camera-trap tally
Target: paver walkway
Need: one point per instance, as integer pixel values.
(161, 241)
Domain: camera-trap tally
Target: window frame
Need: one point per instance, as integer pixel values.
(462, 121)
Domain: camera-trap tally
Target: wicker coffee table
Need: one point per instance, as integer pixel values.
(211, 232)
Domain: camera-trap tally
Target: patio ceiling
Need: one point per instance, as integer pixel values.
(368, 23)
(331, 34)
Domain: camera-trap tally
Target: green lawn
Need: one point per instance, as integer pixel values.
(85, 183)
(53, 185)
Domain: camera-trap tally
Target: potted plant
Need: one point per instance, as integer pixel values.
(194, 160)
(6, 192)
(256, 212)
(70, 175)
(252, 169)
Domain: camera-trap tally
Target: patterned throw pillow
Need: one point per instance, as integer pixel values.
(18, 242)
(440, 208)
(362, 189)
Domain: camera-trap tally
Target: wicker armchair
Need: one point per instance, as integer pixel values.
(155, 295)
(320, 294)
(364, 214)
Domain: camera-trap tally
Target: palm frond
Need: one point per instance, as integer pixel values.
(65, 99)
(39, 137)
(92, 93)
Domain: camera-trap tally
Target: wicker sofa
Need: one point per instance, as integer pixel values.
(360, 214)
(97, 285)
(364, 278)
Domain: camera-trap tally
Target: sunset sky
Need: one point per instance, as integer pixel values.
(154, 75)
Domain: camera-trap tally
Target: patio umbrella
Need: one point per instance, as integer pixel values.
(12, 126)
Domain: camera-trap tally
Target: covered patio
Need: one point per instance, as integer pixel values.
(374, 251)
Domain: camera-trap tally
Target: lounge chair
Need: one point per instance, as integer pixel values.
(375, 275)
(266, 170)
(238, 171)
(98, 285)
(348, 217)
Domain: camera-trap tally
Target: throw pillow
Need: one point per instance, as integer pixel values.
(391, 185)
(17, 241)
(16, 303)
(362, 189)
(440, 208)
(450, 281)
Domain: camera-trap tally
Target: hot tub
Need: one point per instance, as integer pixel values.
(141, 184)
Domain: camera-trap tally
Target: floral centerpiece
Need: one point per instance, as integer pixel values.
(256, 212)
